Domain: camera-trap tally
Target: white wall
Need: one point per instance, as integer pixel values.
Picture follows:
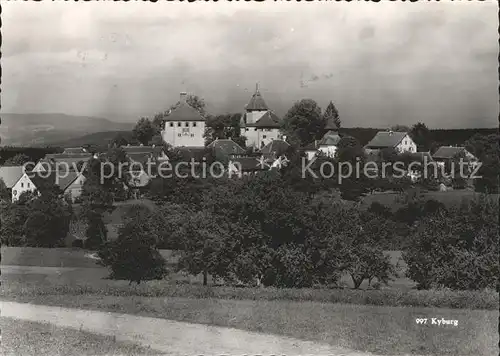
(406, 145)
(24, 184)
(75, 189)
(190, 135)
(329, 151)
(256, 135)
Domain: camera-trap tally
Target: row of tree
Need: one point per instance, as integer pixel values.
(259, 231)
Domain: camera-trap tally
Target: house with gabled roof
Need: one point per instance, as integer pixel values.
(399, 141)
(184, 125)
(258, 123)
(224, 149)
(328, 144)
(446, 154)
(275, 149)
(11, 175)
(70, 182)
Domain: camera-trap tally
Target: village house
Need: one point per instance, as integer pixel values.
(184, 125)
(62, 161)
(258, 123)
(275, 149)
(328, 143)
(446, 154)
(11, 176)
(225, 149)
(399, 141)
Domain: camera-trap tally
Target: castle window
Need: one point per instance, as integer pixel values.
(171, 124)
(194, 124)
(186, 124)
(179, 134)
(192, 135)
(264, 136)
(179, 124)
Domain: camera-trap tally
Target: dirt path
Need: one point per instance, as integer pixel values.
(171, 337)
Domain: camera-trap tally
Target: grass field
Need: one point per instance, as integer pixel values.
(76, 265)
(381, 330)
(346, 318)
(28, 338)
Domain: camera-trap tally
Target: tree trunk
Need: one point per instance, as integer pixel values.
(357, 281)
(205, 278)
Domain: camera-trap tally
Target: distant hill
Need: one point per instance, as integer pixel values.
(45, 129)
(98, 139)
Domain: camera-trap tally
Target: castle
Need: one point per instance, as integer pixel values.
(184, 126)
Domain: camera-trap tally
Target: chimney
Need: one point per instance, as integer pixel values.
(284, 138)
(153, 146)
(142, 144)
(390, 132)
(183, 97)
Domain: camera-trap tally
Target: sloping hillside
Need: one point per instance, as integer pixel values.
(98, 139)
(44, 129)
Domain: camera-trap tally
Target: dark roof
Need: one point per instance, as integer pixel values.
(191, 152)
(63, 181)
(62, 156)
(184, 112)
(225, 148)
(249, 164)
(10, 175)
(256, 102)
(331, 138)
(268, 120)
(446, 152)
(142, 149)
(386, 139)
(276, 147)
(73, 150)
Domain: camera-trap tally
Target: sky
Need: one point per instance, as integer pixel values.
(382, 64)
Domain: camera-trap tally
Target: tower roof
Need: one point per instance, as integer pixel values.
(330, 124)
(256, 103)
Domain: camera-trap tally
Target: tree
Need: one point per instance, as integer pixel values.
(457, 248)
(487, 150)
(123, 139)
(420, 134)
(4, 191)
(303, 123)
(12, 219)
(332, 112)
(223, 127)
(351, 158)
(97, 199)
(400, 128)
(48, 221)
(19, 159)
(144, 131)
(134, 256)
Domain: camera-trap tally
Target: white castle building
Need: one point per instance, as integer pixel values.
(184, 126)
(259, 124)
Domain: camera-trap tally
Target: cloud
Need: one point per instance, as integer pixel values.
(381, 65)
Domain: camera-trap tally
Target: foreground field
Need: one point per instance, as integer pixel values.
(28, 338)
(77, 265)
(380, 330)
